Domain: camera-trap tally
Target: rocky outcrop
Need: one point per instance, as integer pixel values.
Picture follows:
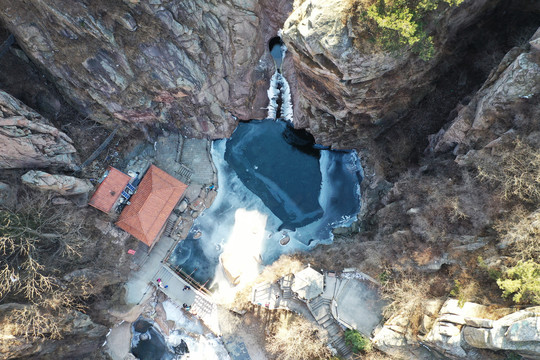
(188, 63)
(463, 332)
(348, 89)
(62, 184)
(500, 108)
(28, 140)
(75, 328)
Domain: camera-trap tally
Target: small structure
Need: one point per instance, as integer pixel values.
(149, 208)
(308, 283)
(107, 195)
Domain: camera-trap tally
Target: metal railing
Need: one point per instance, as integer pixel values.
(187, 278)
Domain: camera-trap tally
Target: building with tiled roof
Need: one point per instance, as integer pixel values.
(109, 190)
(149, 208)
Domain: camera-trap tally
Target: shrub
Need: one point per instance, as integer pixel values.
(458, 293)
(401, 23)
(522, 281)
(517, 172)
(357, 341)
(521, 232)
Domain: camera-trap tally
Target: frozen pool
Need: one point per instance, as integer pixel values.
(274, 184)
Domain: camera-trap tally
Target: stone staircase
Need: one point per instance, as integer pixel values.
(183, 173)
(169, 226)
(285, 284)
(320, 308)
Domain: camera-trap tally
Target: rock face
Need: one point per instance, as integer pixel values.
(348, 90)
(62, 184)
(463, 332)
(188, 63)
(76, 328)
(508, 97)
(29, 140)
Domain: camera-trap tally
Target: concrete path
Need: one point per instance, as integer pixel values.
(140, 282)
(119, 341)
(195, 154)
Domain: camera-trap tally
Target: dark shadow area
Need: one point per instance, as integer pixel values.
(471, 56)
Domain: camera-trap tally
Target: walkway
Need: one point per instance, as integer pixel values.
(195, 154)
(349, 301)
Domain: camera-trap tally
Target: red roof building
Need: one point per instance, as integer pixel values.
(110, 189)
(150, 207)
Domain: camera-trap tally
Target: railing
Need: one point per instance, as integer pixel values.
(187, 278)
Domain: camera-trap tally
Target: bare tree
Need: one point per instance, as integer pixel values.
(298, 339)
(406, 296)
(35, 239)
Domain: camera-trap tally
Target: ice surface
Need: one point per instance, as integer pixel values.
(239, 223)
(200, 347)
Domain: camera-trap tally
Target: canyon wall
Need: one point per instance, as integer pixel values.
(29, 140)
(191, 64)
(349, 89)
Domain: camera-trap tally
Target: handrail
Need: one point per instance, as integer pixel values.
(191, 281)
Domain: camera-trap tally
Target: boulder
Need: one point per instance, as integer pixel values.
(62, 184)
(28, 140)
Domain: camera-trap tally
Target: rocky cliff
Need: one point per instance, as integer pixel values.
(350, 90)
(191, 64)
(29, 140)
(501, 110)
(461, 331)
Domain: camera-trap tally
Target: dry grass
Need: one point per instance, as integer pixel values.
(296, 338)
(517, 171)
(522, 232)
(407, 296)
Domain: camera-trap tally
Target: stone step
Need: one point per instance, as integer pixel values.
(332, 330)
(327, 318)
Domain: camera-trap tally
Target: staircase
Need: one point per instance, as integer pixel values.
(285, 284)
(169, 226)
(184, 174)
(320, 308)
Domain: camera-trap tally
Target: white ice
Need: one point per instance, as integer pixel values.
(274, 93)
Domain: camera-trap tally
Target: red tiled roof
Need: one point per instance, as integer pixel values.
(109, 190)
(157, 195)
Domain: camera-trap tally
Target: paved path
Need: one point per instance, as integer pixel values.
(142, 283)
(195, 154)
(139, 284)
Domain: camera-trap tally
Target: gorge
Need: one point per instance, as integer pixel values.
(442, 134)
